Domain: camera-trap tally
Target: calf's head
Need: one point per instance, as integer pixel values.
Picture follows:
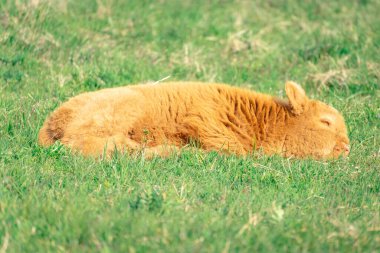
(314, 128)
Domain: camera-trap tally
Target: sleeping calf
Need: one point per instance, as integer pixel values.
(158, 119)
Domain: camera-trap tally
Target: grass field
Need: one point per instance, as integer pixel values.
(54, 201)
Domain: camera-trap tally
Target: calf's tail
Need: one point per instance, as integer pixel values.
(54, 126)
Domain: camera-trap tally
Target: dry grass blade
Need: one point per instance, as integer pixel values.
(331, 77)
(4, 247)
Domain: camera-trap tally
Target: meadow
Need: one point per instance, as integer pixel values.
(54, 201)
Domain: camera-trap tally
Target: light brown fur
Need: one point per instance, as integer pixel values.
(164, 117)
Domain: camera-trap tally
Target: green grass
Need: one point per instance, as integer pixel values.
(53, 201)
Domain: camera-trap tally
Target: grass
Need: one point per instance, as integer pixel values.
(53, 201)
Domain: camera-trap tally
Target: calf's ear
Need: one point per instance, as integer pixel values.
(297, 97)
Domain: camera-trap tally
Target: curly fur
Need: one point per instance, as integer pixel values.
(159, 118)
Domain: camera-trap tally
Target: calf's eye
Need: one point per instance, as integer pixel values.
(326, 122)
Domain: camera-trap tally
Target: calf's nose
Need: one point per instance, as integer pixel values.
(346, 148)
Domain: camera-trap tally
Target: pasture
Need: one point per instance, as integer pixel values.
(55, 201)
